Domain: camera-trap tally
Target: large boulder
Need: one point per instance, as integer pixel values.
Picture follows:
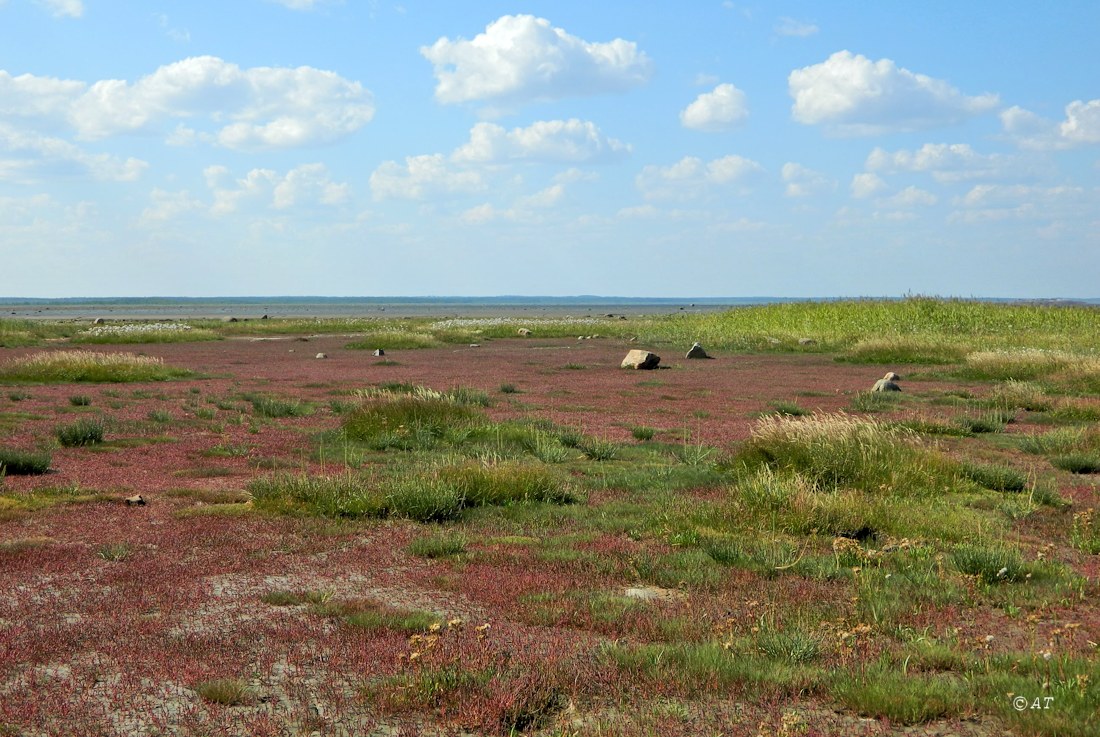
(697, 351)
(638, 359)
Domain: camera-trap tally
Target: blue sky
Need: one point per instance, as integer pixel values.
(327, 147)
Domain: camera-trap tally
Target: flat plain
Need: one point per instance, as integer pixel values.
(483, 533)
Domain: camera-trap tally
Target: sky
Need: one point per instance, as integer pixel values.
(701, 148)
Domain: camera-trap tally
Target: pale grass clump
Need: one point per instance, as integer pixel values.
(1022, 394)
(841, 451)
(63, 366)
(1031, 363)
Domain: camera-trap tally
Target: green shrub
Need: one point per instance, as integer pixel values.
(407, 422)
(598, 450)
(643, 433)
(80, 400)
(349, 495)
(80, 433)
(393, 341)
(23, 463)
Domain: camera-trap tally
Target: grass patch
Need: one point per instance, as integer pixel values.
(80, 433)
(274, 408)
(164, 332)
(372, 615)
(80, 366)
(80, 400)
(23, 463)
(1077, 462)
(441, 545)
(226, 691)
(393, 341)
(285, 597)
(995, 477)
(903, 350)
(642, 433)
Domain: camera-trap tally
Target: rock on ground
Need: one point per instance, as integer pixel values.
(639, 359)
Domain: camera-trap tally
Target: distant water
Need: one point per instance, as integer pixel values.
(185, 308)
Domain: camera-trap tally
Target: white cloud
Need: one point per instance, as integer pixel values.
(169, 205)
(851, 94)
(945, 162)
(422, 176)
(39, 156)
(1081, 126)
(257, 108)
(270, 107)
(298, 4)
(308, 184)
(571, 141)
(791, 27)
(911, 197)
(867, 184)
(521, 58)
(690, 177)
(718, 110)
(803, 182)
(997, 202)
(64, 8)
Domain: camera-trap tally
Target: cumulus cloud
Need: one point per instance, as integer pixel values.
(421, 176)
(299, 4)
(1080, 127)
(691, 177)
(866, 184)
(853, 95)
(803, 182)
(911, 197)
(570, 141)
(945, 162)
(256, 108)
(64, 8)
(791, 27)
(995, 202)
(521, 58)
(719, 110)
(35, 157)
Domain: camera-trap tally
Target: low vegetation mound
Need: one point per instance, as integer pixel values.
(76, 366)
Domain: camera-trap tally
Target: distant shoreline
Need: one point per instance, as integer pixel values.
(197, 308)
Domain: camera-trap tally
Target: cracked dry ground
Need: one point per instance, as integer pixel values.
(93, 643)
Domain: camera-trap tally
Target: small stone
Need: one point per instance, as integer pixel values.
(322, 355)
(807, 341)
(264, 317)
(97, 321)
(773, 341)
(524, 332)
(882, 385)
(229, 319)
(638, 359)
(379, 352)
(135, 501)
(697, 351)
(475, 345)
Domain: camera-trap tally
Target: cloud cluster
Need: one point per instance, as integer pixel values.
(468, 168)
(853, 95)
(64, 8)
(691, 177)
(521, 58)
(211, 100)
(946, 163)
(1080, 127)
(803, 182)
(569, 141)
(718, 110)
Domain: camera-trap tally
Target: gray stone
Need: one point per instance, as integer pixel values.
(697, 351)
(379, 352)
(882, 385)
(891, 376)
(135, 501)
(807, 341)
(322, 355)
(97, 321)
(638, 359)
(524, 332)
(773, 341)
(229, 319)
